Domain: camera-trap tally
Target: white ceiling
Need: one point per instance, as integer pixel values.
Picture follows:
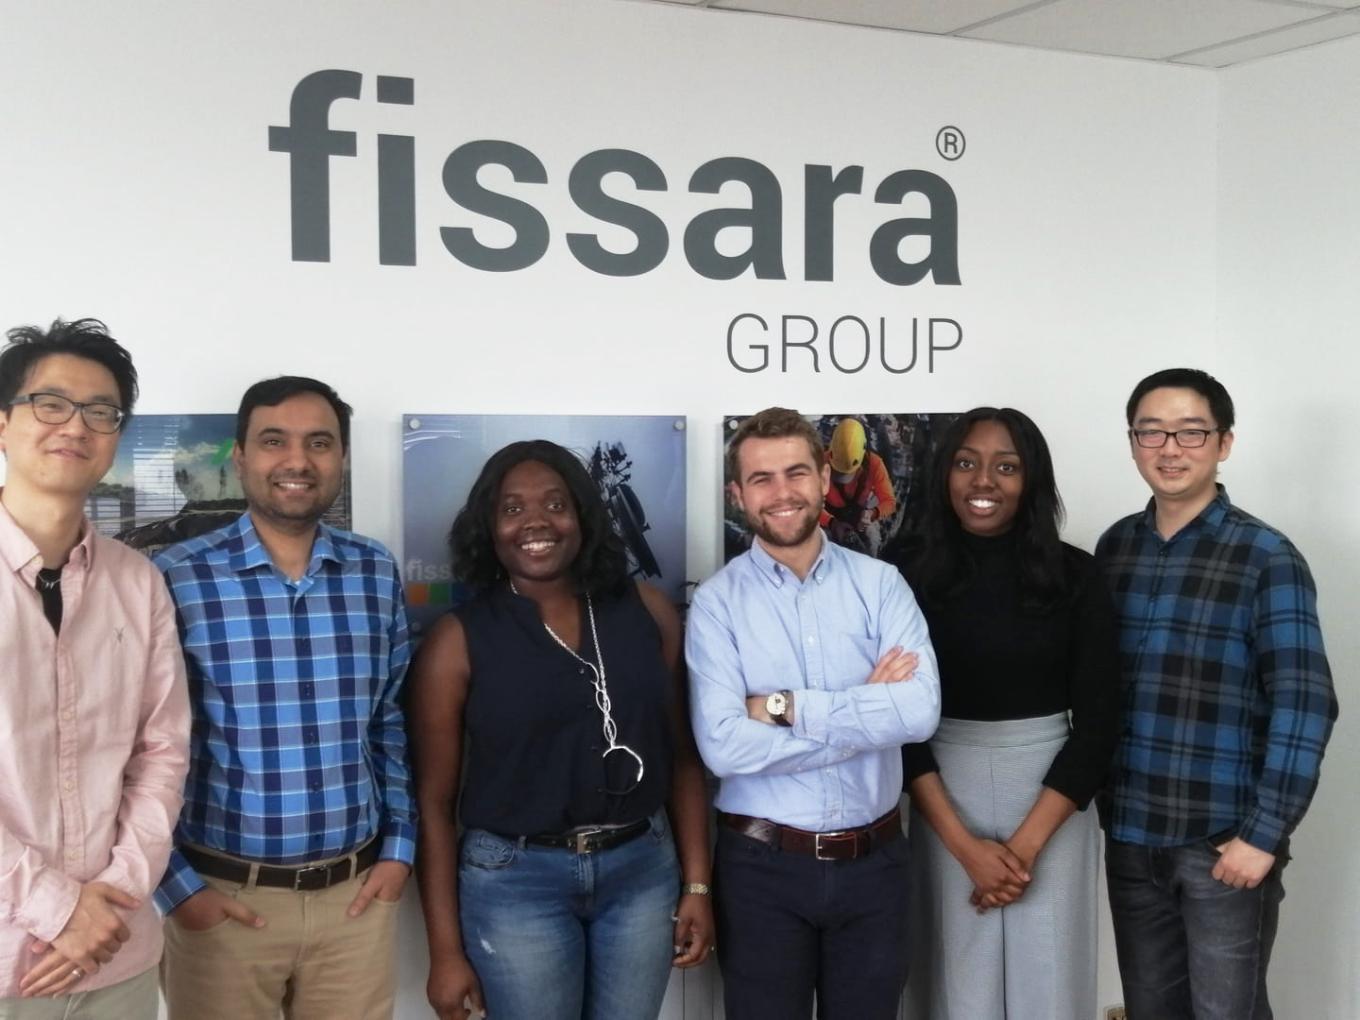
(1205, 33)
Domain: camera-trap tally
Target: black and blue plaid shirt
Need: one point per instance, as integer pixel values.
(1228, 699)
(298, 748)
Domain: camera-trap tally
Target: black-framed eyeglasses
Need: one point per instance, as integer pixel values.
(1186, 439)
(54, 409)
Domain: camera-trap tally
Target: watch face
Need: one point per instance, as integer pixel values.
(776, 704)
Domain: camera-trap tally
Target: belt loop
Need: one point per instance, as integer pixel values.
(353, 866)
(251, 878)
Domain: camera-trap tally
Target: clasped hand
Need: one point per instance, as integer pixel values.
(93, 933)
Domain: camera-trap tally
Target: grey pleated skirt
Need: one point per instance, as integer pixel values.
(1032, 960)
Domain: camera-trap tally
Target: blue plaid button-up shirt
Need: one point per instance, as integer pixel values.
(298, 750)
(1228, 699)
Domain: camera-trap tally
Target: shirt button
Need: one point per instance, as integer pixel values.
(67, 715)
(71, 855)
(811, 640)
(68, 786)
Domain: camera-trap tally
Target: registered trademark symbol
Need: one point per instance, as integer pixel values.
(950, 143)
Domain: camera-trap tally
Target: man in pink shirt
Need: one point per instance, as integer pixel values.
(93, 707)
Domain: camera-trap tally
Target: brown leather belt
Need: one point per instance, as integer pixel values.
(300, 878)
(845, 845)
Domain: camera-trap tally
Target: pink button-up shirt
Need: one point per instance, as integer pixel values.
(94, 731)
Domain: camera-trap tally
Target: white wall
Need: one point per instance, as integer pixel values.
(1289, 261)
(137, 185)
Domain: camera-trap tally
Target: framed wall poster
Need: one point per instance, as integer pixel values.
(637, 460)
(875, 496)
(173, 479)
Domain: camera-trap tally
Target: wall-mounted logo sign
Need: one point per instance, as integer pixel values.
(311, 143)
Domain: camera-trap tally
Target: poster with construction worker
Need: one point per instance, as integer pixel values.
(877, 462)
(638, 462)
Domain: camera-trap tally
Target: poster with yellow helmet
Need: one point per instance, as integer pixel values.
(877, 464)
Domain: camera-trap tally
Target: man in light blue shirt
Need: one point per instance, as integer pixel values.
(810, 665)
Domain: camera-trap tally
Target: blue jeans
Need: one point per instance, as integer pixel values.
(790, 926)
(557, 935)
(1190, 947)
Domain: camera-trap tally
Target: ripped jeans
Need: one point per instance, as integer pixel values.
(556, 935)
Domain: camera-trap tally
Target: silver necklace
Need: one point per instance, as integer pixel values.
(49, 584)
(608, 726)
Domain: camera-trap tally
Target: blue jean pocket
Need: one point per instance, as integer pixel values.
(486, 850)
(660, 826)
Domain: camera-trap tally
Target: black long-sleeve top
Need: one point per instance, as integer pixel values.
(1000, 661)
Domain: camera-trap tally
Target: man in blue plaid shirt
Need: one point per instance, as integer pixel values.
(1228, 705)
(298, 828)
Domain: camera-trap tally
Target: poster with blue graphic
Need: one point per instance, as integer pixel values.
(173, 479)
(638, 461)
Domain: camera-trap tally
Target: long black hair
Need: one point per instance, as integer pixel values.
(936, 561)
(601, 567)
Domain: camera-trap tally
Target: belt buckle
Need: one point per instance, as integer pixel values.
(310, 869)
(581, 840)
(817, 843)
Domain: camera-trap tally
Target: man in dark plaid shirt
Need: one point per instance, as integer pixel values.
(1228, 705)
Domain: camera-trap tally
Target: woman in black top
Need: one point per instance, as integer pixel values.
(556, 696)
(1024, 634)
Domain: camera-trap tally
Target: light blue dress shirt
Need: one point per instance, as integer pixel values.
(754, 628)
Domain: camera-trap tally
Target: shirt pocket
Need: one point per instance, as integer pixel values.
(850, 658)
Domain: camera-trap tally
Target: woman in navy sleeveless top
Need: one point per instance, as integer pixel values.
(555, 697)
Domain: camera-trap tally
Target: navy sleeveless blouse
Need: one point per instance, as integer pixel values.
(534, 741)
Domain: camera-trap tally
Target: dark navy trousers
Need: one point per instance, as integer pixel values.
(791, 927)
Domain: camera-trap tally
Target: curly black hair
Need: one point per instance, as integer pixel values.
(601, 567)
(936, 561)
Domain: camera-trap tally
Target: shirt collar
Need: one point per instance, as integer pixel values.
(21, 555)
(1210, 517)
(777, 574)
(251, 554)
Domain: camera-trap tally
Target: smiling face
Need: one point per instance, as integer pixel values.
(986, 480)
(292, 464)
(65, 460)
(1176, 475)
(536, 528)
(780, 488)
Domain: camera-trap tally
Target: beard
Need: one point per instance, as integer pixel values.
(792, 531)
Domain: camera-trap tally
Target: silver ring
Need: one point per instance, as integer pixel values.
(77, 972)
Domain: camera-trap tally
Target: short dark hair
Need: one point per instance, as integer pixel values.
(773, 423)
(938, 564)
(273, 392)
(83, 338)
(601, 567)
(1220, 404)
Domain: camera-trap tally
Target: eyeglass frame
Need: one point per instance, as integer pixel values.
(1137, 436)
(76, 406)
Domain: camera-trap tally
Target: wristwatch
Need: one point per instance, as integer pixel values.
(777, 706)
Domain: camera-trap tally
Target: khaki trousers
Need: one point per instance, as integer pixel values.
(310, 961)
(136, 998)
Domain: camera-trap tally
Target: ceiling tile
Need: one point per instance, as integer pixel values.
(1278, 41)
(1152, 29)
(911, 15)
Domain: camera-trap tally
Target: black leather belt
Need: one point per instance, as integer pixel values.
(301, 877)
(843, 845)
(588, 841)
